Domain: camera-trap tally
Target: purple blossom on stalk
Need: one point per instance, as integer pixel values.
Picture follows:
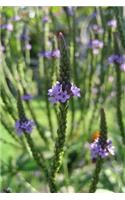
(24, 126)
(60, 93)
(114, 58)
(117, 59)
(50, 54)
(27, 97)
(97, 29)
(9, 26)
(56, 53)
(45, 19)
(98, 151)
(122, 67)
(16, 18)
(95, 45)
(112, 23)
(24, 37)
(2, 48)
(28, 46)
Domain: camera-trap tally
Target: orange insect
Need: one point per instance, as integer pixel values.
(95, 135)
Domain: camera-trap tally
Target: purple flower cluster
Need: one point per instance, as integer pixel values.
(117, 59)
(50, 54)
(60, 93)
(24, 126)
(95, 45)
(97, 149)
(97, 29)
(112, 23)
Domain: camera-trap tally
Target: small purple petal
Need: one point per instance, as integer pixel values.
(27, 97)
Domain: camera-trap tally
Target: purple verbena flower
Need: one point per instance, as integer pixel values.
(45, 54)
(24, 126)
(2, 48)
(24, 37)
(16, 18)
(97, 29)
(114, 58)
(98, 151)
(28, 46)
(9, 27)
(27, 97)
(56, 53)
(60, 93)
(45, 19)
(75, 91)
(95, 45)
(117, 59)
(50, 54)
(112, 23)
(122, 67)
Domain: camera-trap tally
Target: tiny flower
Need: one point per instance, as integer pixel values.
(16, 18)
(2, 26)
(45, 19)
(75, 91)
(27, 97)
(97, 29)
(112, 23)
(110, 79)
(94, 90)
(56, 53)
(24, 37)
(28, 46)
(2, 48)
(122, 67)
(46, 54)
(62, 92)
(95, 45)
(9, 27)
(117, 59)
(114, 58)
(97, 150)
(50, 54)
(24, 126)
